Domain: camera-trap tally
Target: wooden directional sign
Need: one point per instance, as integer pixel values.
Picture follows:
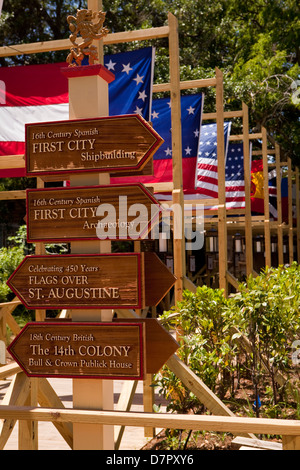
(79, 281)
(80, 350)
(90, 213)
(111, 144)
(105, 281)
(159, 343)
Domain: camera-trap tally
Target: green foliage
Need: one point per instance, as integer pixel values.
(265, 313)
(205, 346)
(269, 306)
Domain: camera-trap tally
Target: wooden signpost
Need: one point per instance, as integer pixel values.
(80, 350)
(81, 281)
(107, 144)
(88, 148)
(106, 281)
(159, 344)
(88, 213)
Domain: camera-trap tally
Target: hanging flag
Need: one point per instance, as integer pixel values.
(39, 93)
(131, 91)
(257, 189)
(234, 177)
(191, 112)
(285, 200)
(206, 180)
(273, 193)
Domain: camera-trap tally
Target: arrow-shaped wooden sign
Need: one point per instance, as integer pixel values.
(115, 212)
(111, 144)
(106, 281)
(160, 344)
(80, 350)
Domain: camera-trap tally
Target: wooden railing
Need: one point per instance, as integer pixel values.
(289, 429)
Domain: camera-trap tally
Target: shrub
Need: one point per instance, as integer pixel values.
(264, 312)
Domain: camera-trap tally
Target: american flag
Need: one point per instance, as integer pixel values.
(234, 177)
(39, 93)
(206, 180)
(207, 167)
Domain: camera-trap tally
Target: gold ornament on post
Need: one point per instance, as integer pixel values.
(88, 30)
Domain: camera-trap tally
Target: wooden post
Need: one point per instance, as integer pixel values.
(266, 198)
(179, 244)
(96, 394)
(279, 206)
(298, 213)
(290, 442)
(2, 337)
(222, 227)
(290, 213)
(247, 179)
(28, 430)
(148, 402)
(88, 97)
(40, 315)
(97, 5)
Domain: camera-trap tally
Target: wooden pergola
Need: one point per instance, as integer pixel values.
(224, 223)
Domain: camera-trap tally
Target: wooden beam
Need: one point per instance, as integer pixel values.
(64, 44)
(279, 207)
(222, 229)
(251, 136)
(266, 200)
(198, 387)
(12, 161)
(259, 152)
(291, 442)
(16, 395)
(232, 424)
(48, 398)
(290, 212)
(124, 404)
(247, 179)
(9, 370)
(232, 280)
(298, 213)
(227, 115)
(177, 195)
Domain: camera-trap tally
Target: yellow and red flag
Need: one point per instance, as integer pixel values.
(257, 186)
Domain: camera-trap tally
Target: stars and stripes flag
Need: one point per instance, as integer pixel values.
(39, 93)
(206, 178)
(234, 176)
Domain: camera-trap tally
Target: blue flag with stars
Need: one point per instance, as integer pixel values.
(131, 91)
(191, 115)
